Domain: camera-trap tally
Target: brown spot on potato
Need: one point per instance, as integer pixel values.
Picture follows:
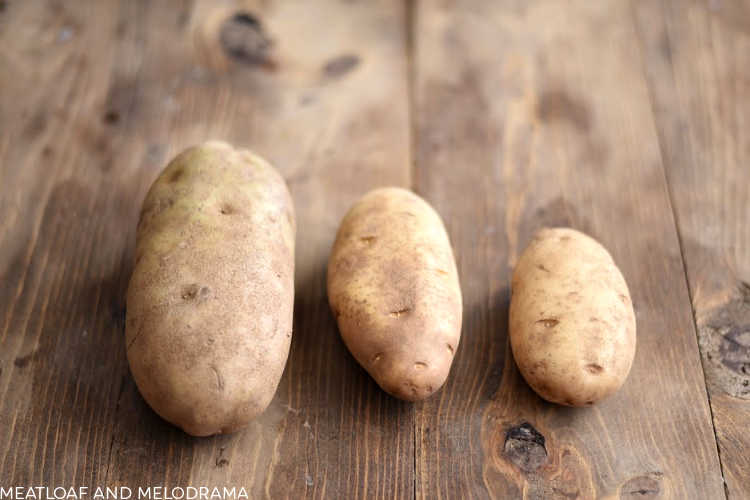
(176, 175)
(367, 239)
(420, 365)
(400, 312)
(549, 322)
(542, 268)
(594, 368)
(377, 357)
(289, 217)
(219, 379)
(190, 292)
(539, 365)
(226, 209)
(441, 272)
(450, 348)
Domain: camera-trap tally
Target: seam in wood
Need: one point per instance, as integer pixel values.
(410, 29)
(114, 434)
(676, 221)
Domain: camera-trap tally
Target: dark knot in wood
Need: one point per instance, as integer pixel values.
(243, 38)
(525, 448)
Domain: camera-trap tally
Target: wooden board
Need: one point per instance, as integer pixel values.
(98, 96)
(531, 114)
(697, 58)
(625, 119)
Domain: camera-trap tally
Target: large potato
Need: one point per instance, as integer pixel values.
(572, 326)
(209, 306)
(393, 287)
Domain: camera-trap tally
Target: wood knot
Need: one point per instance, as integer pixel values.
(243, 38)
(724, 338)
(341, 65)
(221, 461)
(558, 105)
(646, 486)
(22, 361)
(524, 447)
(111, 117)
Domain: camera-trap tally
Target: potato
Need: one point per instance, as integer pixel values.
(393, 287)
(572, 325)
(209, 305)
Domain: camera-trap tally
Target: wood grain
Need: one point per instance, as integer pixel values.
(97, 97)
(626, 119)
(697, 58)
(531, 114)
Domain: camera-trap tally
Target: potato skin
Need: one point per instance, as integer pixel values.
(393, 287)
(209, 305)
(572, 325)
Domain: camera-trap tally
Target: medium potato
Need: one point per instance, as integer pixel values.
(393, 287)
(209, 306)
(572, 326)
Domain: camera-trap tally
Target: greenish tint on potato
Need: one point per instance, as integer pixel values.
(393, 287)
(572, 325)
(209, 305)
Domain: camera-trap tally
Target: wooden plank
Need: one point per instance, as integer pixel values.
(65, 216)
(697, 56)
(101, 95)
(538, 113)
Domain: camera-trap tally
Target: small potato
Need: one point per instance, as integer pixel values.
(393, 287)
(572, 325)
(209, 305)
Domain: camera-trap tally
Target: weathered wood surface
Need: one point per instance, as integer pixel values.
(96, 97)
(539, 114)
(623, 119)
(697, 58)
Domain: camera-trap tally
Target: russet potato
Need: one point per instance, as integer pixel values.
(393, 287)
(209, 305)
(572, 325)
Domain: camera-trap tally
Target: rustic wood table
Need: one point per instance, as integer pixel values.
(629, 120)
